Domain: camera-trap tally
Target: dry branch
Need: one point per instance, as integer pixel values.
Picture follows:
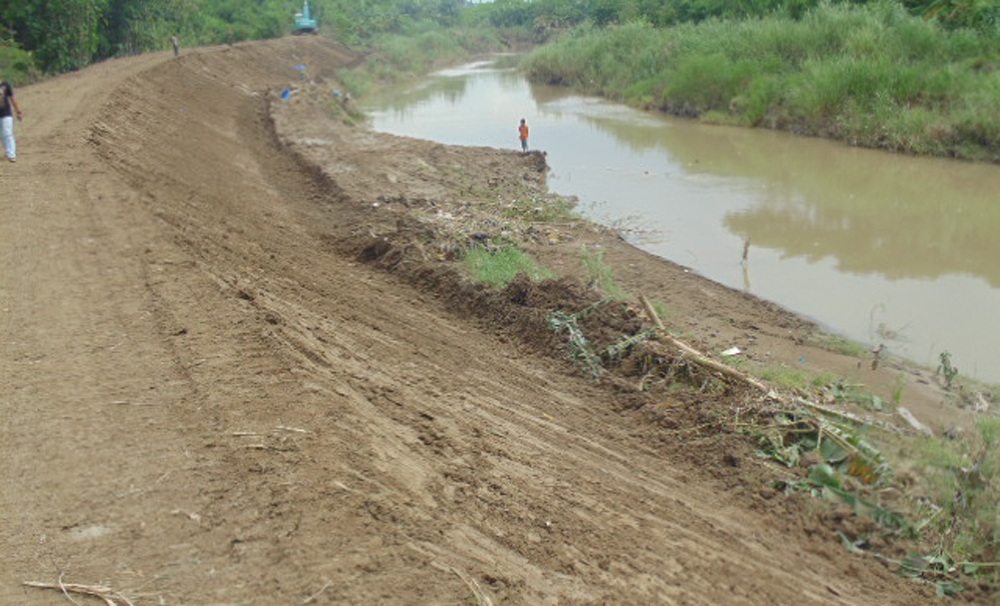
(846, 416)
(105, 593)
(471, 583)
(914, 422)
(696, 356)
(313, 597)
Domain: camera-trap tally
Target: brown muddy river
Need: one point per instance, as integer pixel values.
(878, 247)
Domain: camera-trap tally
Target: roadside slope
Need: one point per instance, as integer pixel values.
(210, 403)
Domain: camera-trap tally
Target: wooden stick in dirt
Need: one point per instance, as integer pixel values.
(313, 597)
(846, 416)
(699, 358)
(104, 593)
(696, 355)
(477, 591)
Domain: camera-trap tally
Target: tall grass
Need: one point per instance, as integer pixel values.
(870, 75)
(601, 275)
(958, 483)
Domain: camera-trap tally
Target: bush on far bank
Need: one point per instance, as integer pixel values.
(17, 66)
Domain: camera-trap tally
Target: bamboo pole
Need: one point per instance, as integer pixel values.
(698, 357)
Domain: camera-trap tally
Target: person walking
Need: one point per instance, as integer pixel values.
(177, 45)
(522, 132)
(8, 108)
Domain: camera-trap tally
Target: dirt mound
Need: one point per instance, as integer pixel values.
(237, 375)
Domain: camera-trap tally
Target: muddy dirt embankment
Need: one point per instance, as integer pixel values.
(226, 383)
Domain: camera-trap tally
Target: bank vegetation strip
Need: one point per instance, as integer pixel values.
(873, 75)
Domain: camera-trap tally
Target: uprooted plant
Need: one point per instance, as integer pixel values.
(579, 348)
(948, 506)
(659, 359)
(593, 363)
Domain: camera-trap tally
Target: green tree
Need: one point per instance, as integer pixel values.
(68, 32)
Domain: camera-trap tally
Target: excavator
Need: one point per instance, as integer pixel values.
(304, 23)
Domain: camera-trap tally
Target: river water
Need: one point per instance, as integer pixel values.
(878, 247)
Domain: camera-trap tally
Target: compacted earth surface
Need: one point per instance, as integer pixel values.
(241, 365)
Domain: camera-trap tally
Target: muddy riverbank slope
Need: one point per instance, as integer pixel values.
(239, 369)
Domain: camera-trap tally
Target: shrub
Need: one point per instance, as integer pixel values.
(16, 65)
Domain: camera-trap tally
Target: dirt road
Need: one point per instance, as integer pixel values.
(209, 398)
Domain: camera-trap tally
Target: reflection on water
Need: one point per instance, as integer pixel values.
(881, 247)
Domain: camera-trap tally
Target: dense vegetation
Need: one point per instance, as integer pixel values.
(52, 36)
(871, 75)
(558, 14)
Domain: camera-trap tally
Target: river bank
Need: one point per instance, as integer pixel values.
(420, 205)
(808, 223)
(226, 384)
(801, 364)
